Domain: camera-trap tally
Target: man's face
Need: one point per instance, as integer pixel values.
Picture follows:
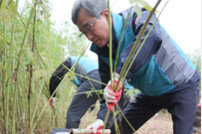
(96, 29)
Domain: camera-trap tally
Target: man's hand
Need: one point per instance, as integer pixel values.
(97, 125)
(52, 101)
(112, 95)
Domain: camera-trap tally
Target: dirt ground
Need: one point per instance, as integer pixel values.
(160, 124)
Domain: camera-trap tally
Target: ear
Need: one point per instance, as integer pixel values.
(105, 13)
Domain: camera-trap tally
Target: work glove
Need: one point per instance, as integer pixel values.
(97, 125)
(112, 97)
(52, 101)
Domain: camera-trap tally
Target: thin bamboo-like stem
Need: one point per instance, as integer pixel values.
(14, 78)
(30, 68)
(87, 92)
(4, 103)
(110, 41)
(23, 40)
(15, 75)
(13, 23)
(85, 74)
(111, 63)
(105, 121)
(125, 118)
(34, 25)
(37, 102)
(93, 88)
(136, 43)
(39, 116)
(7, 102)
(115, 123)
(7, 89)
(1, 3)
(119, 45)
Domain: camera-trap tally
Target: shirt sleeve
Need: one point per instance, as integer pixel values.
(58, 75)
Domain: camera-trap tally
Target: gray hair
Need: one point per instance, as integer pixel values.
(92, 7)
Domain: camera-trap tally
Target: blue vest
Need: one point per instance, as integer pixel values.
(84, 64)
(163, 71)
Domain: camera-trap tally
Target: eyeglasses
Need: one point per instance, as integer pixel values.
(89, 27)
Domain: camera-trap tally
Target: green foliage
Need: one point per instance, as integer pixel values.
(44, 49)
(196, 59)
(138, 4)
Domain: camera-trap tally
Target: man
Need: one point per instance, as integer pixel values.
(163, 73)
(86, 79)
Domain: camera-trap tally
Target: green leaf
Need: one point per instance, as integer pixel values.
(2, 67)
(132, 1)
(88, 94)
(37, 74)
(12, 5)
(145, 5)
(30, 54)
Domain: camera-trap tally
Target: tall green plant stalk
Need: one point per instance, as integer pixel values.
(136, 43)
(110, 58)
(93, 88)
(37, 102)
(119, 45)
(110, 62)
(110, 40)
(1, 3)
(13, 78)
(115, 123)
(105, 121)
(84, 72)
(15, 75)
(126, 118)
(4, 103)
(7, 102)
(7, 89)
(11, 62)
(30, 68)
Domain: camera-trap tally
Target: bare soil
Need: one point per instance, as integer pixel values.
(161, 124)
(158, 124)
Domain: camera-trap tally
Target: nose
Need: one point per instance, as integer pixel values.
(89, 36)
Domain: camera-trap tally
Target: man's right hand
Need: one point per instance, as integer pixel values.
(97, 125)
(52, 101)
(111, 96)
